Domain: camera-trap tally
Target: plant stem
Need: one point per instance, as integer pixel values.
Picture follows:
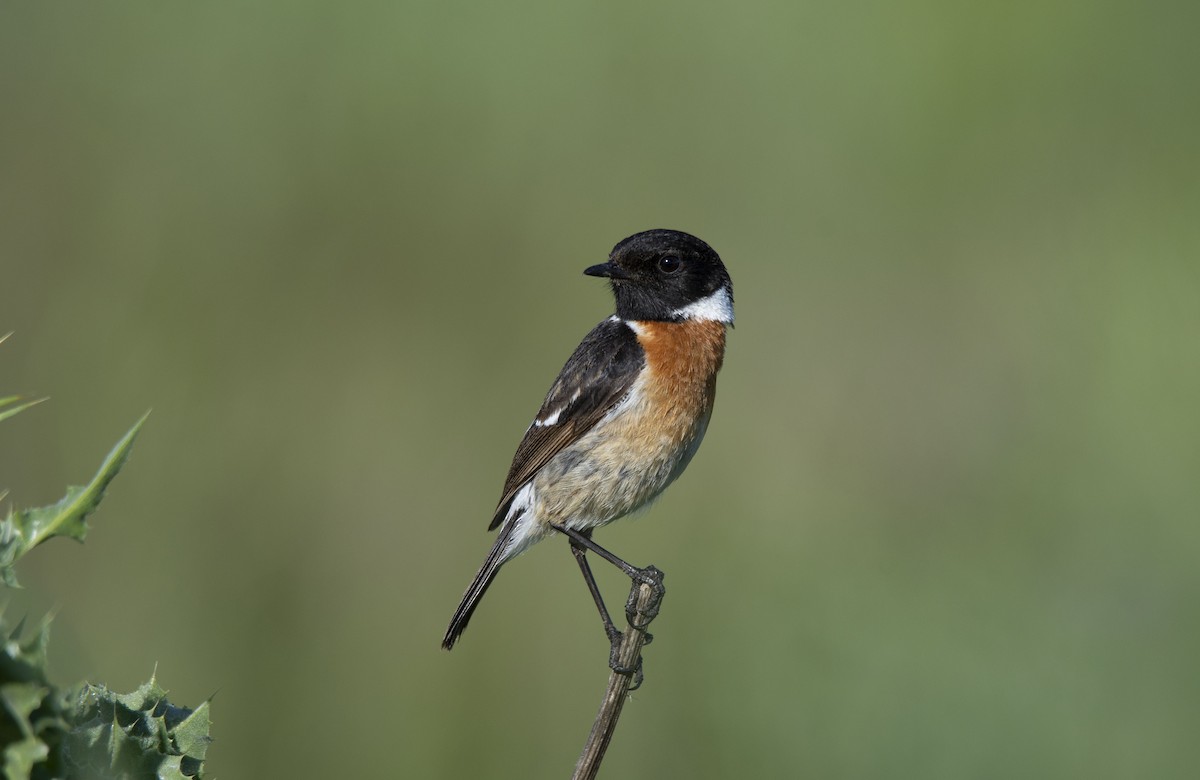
(645, 601)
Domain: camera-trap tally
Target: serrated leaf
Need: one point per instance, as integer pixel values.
(138, 734)
(25, 529)
(147, 695)
(191, 735)
(170, 769)
(25, 661)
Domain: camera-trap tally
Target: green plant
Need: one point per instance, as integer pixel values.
(84, 731)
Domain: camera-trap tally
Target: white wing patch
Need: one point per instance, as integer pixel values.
(552, 418)
(717, 307)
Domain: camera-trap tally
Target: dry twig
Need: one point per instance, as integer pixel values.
(643, 606)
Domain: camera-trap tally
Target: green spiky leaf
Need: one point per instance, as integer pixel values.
(24, 660)
(24, 529)
(135, 735)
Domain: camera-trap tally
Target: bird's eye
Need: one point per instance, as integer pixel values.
(669, 264)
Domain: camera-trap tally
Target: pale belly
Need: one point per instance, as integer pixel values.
(615, 470)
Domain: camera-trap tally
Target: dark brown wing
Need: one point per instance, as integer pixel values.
(596, 377)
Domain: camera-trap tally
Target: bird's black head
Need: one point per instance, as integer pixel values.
(667, 275)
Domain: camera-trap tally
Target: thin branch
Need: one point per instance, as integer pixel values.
(643, 607)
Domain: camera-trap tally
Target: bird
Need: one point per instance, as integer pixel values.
(624, 416)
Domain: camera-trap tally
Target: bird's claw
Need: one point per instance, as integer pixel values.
(635, 671)
(652, 576)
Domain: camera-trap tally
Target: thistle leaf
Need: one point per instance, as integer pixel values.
(19, 701)
(24, 529)
(135, 735)
(30, 709)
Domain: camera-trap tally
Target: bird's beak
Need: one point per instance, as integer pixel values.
(606, 269)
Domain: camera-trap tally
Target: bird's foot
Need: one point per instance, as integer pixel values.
(641, 619)
(635, 671)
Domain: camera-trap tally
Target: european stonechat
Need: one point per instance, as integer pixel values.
(626, 413)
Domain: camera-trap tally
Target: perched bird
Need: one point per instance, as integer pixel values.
(626, 413)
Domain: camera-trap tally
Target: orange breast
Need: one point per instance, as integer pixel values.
(683, 358)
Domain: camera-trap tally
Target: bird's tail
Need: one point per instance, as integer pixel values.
(479, 585)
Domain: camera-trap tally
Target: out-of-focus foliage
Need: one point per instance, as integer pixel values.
(943, 523)
(32, 721)
(89, 731)
(13, 404)
(47, 731)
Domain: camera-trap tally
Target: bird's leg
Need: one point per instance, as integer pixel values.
(650, 575)
(580, 553)
(614, 635)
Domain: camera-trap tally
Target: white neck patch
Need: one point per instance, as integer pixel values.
(717, 307)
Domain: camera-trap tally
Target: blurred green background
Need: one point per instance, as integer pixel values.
(946, 522)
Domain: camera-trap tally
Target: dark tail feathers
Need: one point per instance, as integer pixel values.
(479, 585)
